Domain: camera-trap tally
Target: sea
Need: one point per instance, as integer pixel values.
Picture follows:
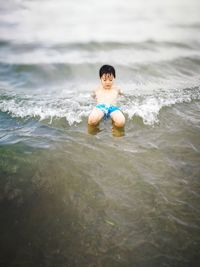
(72, 196)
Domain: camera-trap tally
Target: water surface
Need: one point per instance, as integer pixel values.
(72, 198)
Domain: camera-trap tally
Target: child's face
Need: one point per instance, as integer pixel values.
(107, 81)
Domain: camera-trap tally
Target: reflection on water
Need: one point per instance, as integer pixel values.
(93, 129)
(116, 132)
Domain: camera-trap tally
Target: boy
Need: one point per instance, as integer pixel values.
(106, 95)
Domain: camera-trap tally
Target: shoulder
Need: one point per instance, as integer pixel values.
(119, 90)
(97, 88)
(95, 91)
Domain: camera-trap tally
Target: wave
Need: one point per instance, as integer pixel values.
(94, 52)
(150, 44)
(195, 25)
(76, 59)
(178, 69)
(43, 109)
(77, 108)
(148, 108)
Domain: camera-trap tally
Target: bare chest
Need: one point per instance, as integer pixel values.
(107, 94)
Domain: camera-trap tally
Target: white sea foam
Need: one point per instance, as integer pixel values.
(45, 109)
(74, 109)
(148, 107)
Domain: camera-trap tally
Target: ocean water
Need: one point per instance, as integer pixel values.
(70, 196)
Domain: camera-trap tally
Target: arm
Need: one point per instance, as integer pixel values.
(93, 94)
(120, 92)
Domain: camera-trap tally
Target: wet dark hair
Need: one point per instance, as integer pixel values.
(106, 69)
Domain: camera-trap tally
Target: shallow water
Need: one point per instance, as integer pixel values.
(72, 197)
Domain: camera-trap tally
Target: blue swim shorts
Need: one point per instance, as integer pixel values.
(107, 109)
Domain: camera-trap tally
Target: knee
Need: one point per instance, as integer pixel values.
(93, 120)
(120, 122)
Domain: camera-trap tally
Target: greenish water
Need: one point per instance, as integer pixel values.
(104, 201)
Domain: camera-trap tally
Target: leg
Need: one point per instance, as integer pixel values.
(117, 132)
(95, 116)
(118, 118)
(93, 129)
